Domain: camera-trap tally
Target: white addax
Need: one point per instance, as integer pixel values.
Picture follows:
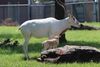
(48, 27)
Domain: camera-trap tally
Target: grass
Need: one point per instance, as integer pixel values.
(13, 57)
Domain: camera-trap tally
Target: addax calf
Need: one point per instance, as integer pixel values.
(51, 43)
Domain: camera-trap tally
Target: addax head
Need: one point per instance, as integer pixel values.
(73, 21)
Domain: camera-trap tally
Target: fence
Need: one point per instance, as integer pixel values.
(23, 12)
(84, 11)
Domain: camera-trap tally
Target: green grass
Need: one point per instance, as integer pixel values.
(13, 57)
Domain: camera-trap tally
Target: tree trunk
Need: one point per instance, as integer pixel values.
(60, 14)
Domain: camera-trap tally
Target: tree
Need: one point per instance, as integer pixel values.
(60, 14)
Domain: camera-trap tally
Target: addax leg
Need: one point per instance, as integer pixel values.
(25, 48)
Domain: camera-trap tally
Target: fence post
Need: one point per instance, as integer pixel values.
(99, 10)
(9, 15)
(18, 13)
(29, 9)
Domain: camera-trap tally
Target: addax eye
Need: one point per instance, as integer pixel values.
(74, 19)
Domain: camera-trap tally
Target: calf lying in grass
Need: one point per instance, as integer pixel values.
(51, 43)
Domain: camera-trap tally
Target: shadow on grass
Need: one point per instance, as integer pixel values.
(37, 47)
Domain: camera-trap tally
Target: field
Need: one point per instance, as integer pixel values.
(14, 57)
